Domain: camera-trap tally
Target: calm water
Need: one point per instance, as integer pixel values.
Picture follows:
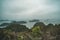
(30, 24)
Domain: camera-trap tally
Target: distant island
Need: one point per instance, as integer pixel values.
(34, 20)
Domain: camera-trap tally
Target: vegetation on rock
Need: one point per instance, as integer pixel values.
(39, 31)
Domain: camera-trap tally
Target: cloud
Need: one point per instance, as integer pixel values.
(27, 9)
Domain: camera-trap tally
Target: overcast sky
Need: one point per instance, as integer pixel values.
(30, 9)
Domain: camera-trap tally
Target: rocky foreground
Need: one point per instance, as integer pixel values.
(39, 31)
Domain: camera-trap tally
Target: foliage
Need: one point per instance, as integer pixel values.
(16, 31)
(36, 29)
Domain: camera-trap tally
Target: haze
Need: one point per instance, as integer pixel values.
(30, 9)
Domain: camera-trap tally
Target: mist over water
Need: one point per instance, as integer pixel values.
(30, 9)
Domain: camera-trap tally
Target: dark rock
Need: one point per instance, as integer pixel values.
(35, 20)
(4, 24)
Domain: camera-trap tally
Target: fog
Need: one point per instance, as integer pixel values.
(29, 9)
